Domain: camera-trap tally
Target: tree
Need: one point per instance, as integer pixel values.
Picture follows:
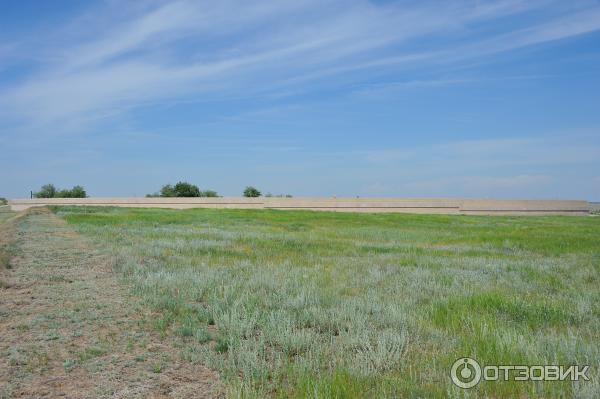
(167, 191)
(77, 192)
(63, 194)
(47, 191)
(251, 192)
(184, 189)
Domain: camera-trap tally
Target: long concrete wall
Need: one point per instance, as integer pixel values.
(402, 205)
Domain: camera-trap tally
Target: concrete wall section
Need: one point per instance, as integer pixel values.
(524, 207)
(175, 203)
(371, 205)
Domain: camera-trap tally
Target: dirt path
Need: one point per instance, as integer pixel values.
(68, 327)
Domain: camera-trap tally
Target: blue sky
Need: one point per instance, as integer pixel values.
(308, 97)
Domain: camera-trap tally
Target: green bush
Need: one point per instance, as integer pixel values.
(3, 201)
(75, 192)
(78, 192)
(209, 193)
(251, 192)
(182, 189)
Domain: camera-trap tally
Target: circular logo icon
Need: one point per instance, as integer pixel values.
(465, 373)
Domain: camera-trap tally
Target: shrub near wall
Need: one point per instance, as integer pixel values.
(251, 192)
(182, 189)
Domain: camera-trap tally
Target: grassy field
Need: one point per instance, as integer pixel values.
(318, 304)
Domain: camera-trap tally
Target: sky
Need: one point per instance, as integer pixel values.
(478, 99)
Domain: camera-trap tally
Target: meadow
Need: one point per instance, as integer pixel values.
(321, 304)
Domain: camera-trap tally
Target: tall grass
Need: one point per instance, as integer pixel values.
(310, 304)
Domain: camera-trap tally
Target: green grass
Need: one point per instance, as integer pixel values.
(319, 304)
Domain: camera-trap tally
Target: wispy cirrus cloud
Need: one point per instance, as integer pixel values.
(566, 149)
(190, 49)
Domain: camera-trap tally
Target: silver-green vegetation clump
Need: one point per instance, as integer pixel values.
(311, 304)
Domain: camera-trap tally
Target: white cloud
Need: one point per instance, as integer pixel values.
(187, 48)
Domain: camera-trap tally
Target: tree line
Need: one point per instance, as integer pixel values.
(181, 189)
(185, 189)
(50, 191)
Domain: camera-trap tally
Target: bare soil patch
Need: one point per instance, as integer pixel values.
(69, 328)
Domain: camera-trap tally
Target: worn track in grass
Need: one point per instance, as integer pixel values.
(68, 328)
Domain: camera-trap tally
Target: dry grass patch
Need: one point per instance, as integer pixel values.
(70, 328)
